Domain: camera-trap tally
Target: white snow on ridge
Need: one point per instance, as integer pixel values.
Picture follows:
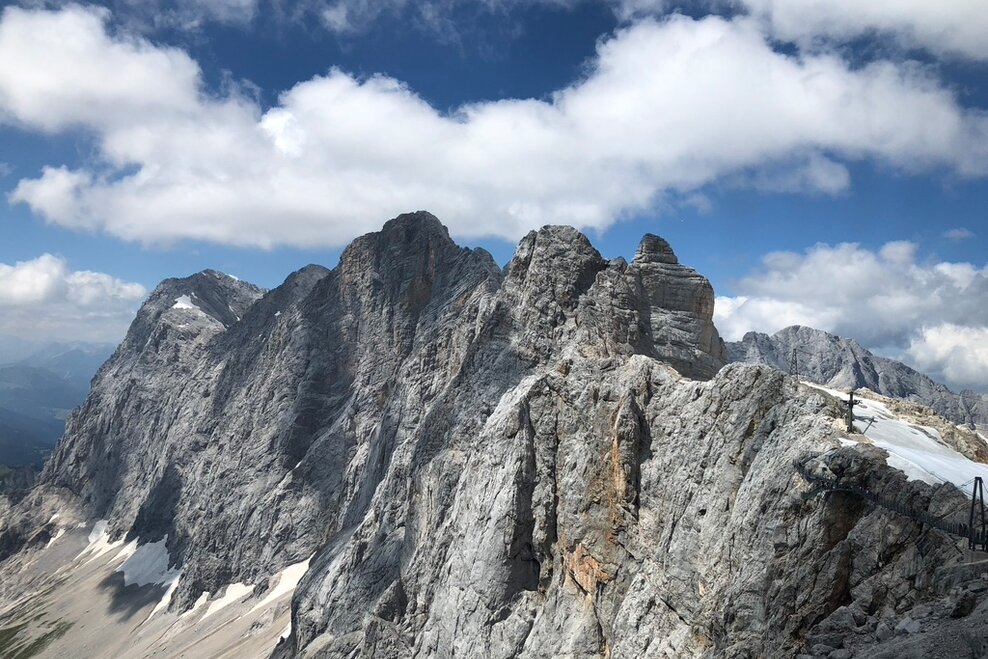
(287, 581)
(185, 302)
(234, 593)
(918, 451)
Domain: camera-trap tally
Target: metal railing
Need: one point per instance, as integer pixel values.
(975, 537)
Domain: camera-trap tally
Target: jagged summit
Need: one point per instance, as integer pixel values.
(653, 249)
(549, 460)
(415, 222)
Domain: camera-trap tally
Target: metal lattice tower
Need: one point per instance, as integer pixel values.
(977, 503)
(794, 361)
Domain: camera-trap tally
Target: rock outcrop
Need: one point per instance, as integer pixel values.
(549, 460)
(843, 364)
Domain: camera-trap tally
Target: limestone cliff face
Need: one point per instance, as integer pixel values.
(549, 460)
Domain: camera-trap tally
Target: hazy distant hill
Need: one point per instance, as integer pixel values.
(37, 392)
(26, 440)
(75, 363)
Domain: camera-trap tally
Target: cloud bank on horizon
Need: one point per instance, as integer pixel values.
(669, 106)
(44, 300)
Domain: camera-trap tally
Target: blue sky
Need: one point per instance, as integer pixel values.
(155, 139)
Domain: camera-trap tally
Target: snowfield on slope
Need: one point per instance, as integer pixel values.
(916, 450)
(114, 595)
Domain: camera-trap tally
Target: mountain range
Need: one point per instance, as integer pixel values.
(842, 363)
(421, 454)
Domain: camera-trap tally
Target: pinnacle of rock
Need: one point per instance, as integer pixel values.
(654, 249)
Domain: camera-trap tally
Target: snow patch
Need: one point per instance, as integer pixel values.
(99, 542)
(197, 604)
(185, 302)
(918, 451)
(234, 593)
(57, 535)
(127, 551)
(287, 581)
(148, 564)
(167, 597)
(277, 313)
(53, 518)
(99, 530)
(286, 632)
(833, 392)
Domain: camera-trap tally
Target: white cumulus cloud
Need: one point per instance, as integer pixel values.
(667, 107)
(957, 28)
(934, 315)
(959, 353)
(44, 300)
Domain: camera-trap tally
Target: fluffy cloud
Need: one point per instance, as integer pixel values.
(959, 353)
(81, 77)
(933, 315)
(667, 107)
(946, 27)
(42, 299)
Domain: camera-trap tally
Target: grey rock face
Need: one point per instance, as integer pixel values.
(546, 461)
(842, 363)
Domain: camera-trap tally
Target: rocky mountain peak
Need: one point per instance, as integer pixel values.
(555, 262)
(418, 223)
(209, 301)
(218, 295)
(548, 461)
(653, 249)
(403, 260)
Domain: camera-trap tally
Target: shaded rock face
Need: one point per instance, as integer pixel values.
(549, 460)
(842, 363)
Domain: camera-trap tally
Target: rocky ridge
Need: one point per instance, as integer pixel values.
(843, 363)
(549, 460)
